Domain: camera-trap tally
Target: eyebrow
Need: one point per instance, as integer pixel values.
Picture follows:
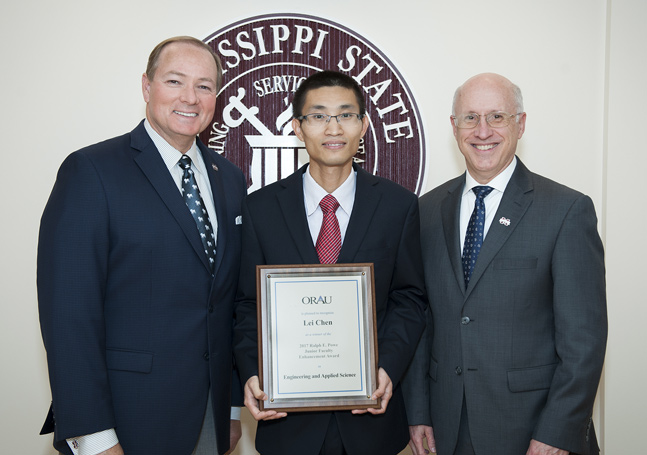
(488, 112)
(320, 107)
(181, 74)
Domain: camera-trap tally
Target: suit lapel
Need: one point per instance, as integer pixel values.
(292, 205)
(219, 202)
(366, 202)
(517, 197)
(450, 213)
(293, 210)
(153, 167)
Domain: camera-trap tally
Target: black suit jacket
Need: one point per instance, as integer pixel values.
(383, 229)
(135, 326)
(525, 341)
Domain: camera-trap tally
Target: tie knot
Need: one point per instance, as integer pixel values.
(482, 191)
(329, 204)
(185, 162)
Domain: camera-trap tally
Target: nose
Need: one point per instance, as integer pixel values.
(483, 130)
(188, 95)
(333, 127)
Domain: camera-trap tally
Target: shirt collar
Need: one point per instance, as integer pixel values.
(314, 193)
(170, 154)
(499, 183)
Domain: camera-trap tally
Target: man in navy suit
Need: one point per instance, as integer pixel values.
(512, 357)
(378, 222)
(136, 309)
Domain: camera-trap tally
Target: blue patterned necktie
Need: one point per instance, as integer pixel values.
(474, 234)
(193, 200)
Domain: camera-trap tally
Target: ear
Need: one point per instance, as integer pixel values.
(522, 125)
(296, 126)
(365, 124)
(454, 129)
(146, 87)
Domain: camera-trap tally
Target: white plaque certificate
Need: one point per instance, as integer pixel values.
(317, 336)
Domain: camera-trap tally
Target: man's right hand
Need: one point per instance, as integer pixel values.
(114, 450)
(417, 434)
(254, 394)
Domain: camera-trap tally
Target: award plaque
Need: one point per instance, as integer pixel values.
(317, 338)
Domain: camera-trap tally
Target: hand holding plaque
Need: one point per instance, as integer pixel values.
(253, 397)
(382, 395)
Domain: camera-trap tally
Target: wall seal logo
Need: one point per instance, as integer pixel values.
(264, 60)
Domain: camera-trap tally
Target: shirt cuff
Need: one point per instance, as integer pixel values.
(235, 413)
(95, 443)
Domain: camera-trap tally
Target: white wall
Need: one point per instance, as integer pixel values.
(71, 76)
(625, 218)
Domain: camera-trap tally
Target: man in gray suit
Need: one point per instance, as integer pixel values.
(514, 270)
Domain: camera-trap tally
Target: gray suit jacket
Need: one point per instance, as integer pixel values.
(525, 342)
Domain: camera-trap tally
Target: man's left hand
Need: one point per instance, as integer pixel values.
(539, 448)
(235, 432)
(384, 391)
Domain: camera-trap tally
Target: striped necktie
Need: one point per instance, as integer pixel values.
(329, 239)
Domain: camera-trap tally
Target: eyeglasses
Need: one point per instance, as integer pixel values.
(494, 119)
(345, 119)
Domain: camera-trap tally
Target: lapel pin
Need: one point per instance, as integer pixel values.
(214, 167)
(504, 221)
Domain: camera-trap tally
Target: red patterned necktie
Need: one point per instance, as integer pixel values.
(329, 240)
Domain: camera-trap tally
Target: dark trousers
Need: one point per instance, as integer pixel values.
(333, 444)
(464, 443)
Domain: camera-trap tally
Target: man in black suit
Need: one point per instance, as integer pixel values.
(514, 270)
(135, 293)
(378, 222)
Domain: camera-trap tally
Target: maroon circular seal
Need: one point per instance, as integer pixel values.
(265, 58)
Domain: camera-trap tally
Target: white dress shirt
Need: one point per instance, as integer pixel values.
(313, 193)
(171, 156)
(492, 200)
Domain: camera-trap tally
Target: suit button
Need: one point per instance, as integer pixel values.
(210, 308)
(205, 356)
(459, 371)
(465, 320)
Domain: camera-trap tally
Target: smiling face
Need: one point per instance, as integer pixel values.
(331, 147)
(487, 151)
(181, 98)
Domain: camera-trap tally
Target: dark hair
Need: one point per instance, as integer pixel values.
(153, 59)
(326, 79)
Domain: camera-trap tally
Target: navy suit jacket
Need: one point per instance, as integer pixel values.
(383, 229)
(135, 326)
(525, 342)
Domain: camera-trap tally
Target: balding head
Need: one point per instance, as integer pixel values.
(494, 80)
